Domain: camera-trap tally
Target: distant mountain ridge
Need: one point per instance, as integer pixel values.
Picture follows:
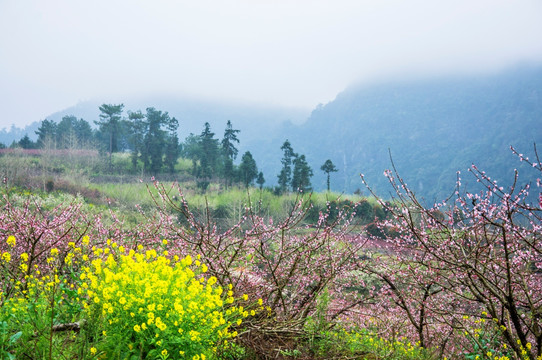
(432, 128)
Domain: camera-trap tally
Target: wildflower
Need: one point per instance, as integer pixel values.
(11, 241)
(24, 257)
(137, 328)
(93, 350)
(54, 252)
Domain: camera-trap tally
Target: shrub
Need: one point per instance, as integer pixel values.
(148, 305)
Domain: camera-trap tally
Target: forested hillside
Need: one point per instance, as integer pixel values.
(433, 128)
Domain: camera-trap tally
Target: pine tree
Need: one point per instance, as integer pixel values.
(27, 143)
(173, 149)
(46, 132)
(109, 125)
(192, 150)
(136, 139)
(301, 179)
(260, 180)
(83, 132)
(285, 176)
(328, 168)
(155, 138)
(65, 133)
(207, 156)
(248, 171)
(229, 151)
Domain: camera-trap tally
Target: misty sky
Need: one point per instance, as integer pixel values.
(54, 53)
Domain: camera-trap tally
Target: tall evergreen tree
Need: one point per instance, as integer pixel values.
(173, 149)
(248, 171)
(65, 133)
(192, 150)
(208, 153)
(229, 151)
(328, 168)
(260, 180)
(136, 139)
(301, 179)
(27, 143)
(285, 176)
(83, 132)
(109, 125)
(155, 139)
(46, 133)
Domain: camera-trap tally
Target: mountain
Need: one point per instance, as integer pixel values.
(15, 133)
(432, 128)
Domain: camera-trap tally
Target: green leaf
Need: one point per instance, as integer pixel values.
(15, 337)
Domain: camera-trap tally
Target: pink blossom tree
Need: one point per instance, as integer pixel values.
(476, 255)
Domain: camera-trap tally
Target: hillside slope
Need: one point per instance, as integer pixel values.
(432, 128)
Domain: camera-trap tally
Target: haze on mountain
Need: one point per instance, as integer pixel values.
(432, 128)
(57, 53)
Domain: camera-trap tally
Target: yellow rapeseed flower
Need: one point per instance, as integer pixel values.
(11, 241)
(145, 289)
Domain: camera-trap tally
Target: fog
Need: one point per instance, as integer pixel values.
(56, 53)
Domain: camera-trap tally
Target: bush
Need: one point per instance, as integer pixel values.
(147, 305)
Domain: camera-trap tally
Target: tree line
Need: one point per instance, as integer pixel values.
(151, 138)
